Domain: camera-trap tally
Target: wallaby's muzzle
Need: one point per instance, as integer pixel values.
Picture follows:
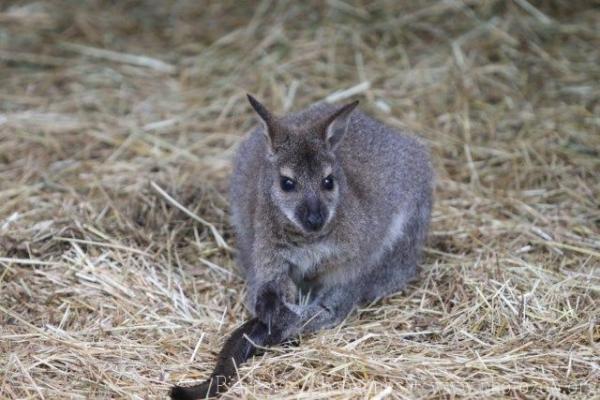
(312, 214)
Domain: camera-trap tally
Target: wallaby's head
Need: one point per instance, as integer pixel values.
(303, 176)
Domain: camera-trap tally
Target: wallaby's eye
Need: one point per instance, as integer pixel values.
(287, 184)
(328, 183)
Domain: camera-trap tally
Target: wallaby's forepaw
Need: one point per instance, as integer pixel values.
(268, 304)
(271, 308)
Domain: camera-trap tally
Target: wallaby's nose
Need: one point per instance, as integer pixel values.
(314, 221)
(312, 214)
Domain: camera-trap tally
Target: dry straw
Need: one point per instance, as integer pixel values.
(117, 123)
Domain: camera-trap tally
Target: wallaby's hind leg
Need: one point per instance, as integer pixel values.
(399, 266)
(391, 276)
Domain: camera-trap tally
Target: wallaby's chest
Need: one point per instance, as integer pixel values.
(306, 259)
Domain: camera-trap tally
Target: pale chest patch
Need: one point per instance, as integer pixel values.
(305, 258)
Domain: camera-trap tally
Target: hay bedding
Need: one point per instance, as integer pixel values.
(115, 116)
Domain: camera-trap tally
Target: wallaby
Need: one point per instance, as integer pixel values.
(330, 209)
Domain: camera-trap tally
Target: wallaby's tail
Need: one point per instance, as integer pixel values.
(237, 349)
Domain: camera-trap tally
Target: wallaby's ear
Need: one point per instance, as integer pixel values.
(261, 110)
(335, 125)
(269, 120)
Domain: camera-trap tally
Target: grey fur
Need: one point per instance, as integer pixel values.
(375, 219)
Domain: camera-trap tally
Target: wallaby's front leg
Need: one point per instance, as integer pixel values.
(270, 288)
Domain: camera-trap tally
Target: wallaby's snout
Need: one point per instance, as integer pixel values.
(312, 213)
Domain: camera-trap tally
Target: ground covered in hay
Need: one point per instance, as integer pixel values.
(117, 124)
